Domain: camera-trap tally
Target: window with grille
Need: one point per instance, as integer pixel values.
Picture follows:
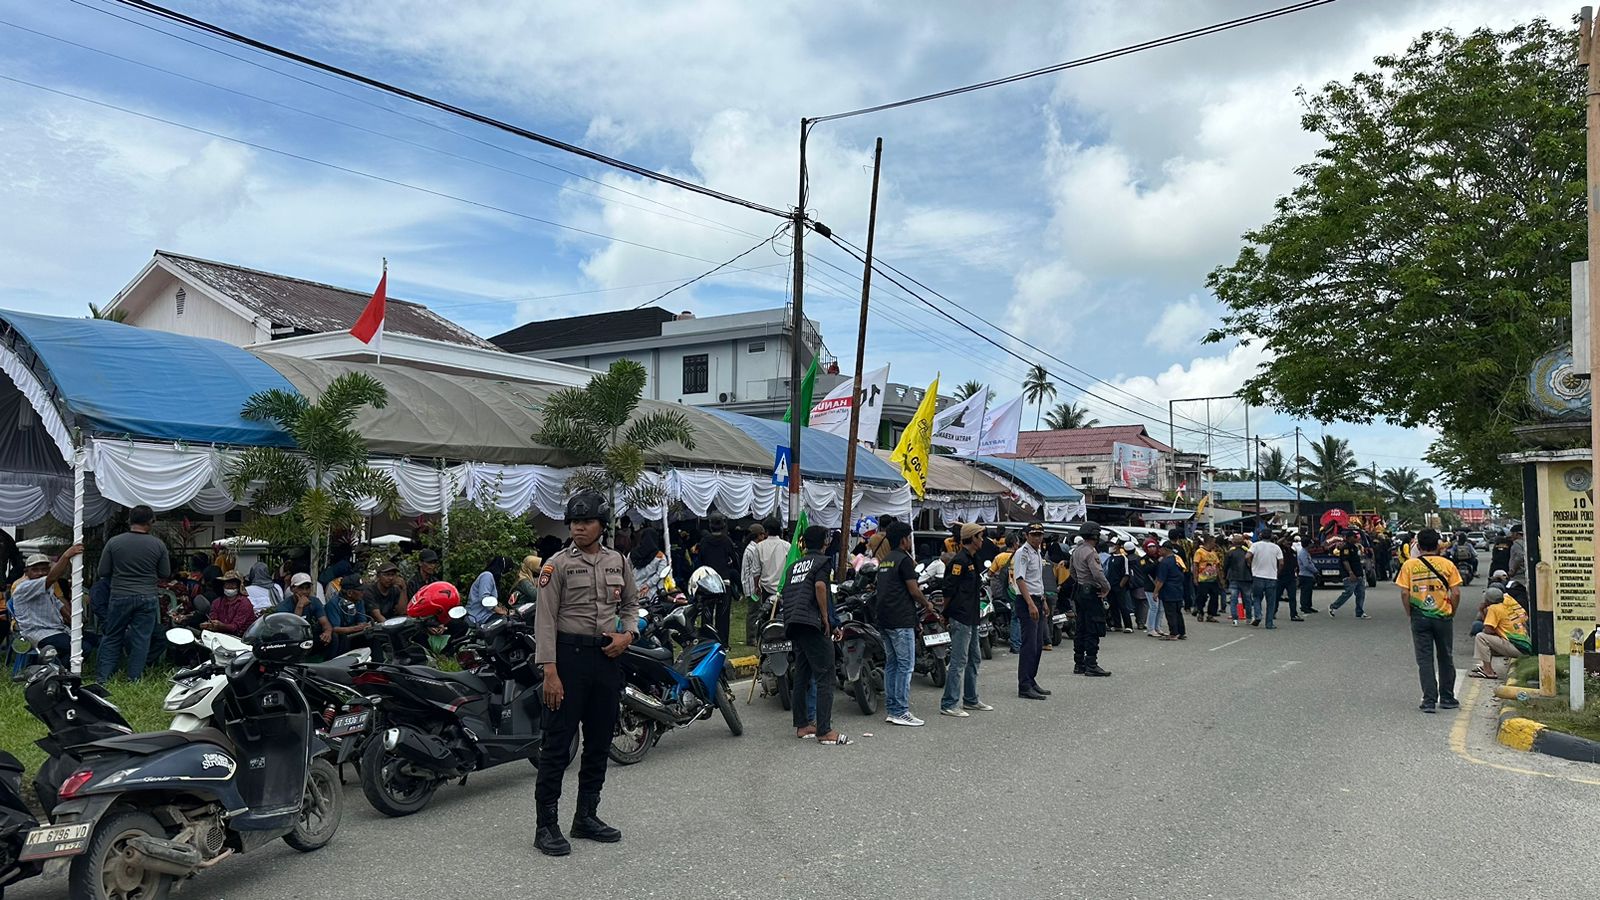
(696, 374)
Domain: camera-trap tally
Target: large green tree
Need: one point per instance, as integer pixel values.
(1037, 388)
(1275, 466)
(1329, 468)
(1422, 264)
(601, 427)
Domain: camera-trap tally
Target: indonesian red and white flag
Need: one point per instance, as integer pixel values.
(369, 328)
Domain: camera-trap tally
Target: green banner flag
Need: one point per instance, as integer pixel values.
(794, 549)
(808, 387)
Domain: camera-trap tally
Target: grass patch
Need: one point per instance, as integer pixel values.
(1554, 712)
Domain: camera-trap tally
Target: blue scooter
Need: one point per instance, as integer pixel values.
(663, 689)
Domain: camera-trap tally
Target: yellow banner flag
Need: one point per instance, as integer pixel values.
(1200, 507)
(916, 443)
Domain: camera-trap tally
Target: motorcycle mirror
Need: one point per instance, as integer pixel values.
(490, 602)
(21, 645)
(180, 637)
(458, 612)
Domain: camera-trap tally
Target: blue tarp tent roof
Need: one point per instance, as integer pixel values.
(1046, 485)
(115, 380)
(822, 455)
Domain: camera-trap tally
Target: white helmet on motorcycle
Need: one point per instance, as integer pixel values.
(705, 580)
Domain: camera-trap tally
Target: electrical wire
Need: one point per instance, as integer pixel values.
(1179, 37)
(424, 100)
(345, 169)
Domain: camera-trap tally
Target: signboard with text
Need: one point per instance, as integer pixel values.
(1566, 542)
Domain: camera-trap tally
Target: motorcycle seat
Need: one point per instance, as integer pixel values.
(336, 669)
(657, 652)
(466, 679)
(157, 741)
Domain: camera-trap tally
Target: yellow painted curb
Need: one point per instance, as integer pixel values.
(745, 662)
(1519, 733)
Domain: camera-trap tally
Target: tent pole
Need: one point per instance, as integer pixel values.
(79, 463)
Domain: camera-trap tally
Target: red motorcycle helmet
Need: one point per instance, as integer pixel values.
(435, 600)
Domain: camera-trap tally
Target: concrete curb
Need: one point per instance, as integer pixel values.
(1521, 733)
(745, 666)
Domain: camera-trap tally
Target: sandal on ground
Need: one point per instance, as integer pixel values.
(809, 733)
(1479, 672)
(838, 740)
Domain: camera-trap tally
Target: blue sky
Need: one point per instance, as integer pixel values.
(1080, 211)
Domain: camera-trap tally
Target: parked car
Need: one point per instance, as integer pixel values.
(1480, 541)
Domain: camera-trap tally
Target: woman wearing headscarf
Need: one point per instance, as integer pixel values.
(526, 589)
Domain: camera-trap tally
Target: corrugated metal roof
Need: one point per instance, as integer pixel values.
(575, 331)
(1234, 491)
(315, 308)
(1095, 441)
(1042, 482)
(822, 454)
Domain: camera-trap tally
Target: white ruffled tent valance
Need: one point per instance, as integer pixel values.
(963, 509)
(27, 497)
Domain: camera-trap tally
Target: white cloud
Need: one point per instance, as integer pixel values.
(1182, 324)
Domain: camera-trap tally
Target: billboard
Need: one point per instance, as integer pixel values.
(1133, 466)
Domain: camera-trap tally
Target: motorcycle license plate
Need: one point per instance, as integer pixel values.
(351, 723)
(937, 638)
(777, 647)
(54, 841)
(1059, 618)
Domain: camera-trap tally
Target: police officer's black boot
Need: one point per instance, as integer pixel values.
(548, 838)
(585, 824)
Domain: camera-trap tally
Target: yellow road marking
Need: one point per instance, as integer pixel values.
(1458, 741)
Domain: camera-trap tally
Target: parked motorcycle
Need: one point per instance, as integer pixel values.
(16, 821)
(145, 809)
(775, 658)
(860, 652)
(932, 656)
(435, 726)
(663, 690)
(73, 713)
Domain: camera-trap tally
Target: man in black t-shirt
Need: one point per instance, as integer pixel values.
(384, 598)
(962, 581)
(806, 609)
(1354, 571)
(899, 601)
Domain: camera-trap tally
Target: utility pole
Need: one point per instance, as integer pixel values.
(1586, 58)
(797, 344)
(861, 349)
(1257, 467)
(1297, 474)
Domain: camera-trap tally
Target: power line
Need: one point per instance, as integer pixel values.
(480, 118)
(346, 169)
(1084, 61)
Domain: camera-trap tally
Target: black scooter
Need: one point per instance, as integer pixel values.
(145, 809)
(73, 713)
(435, 726)
(859, 654)
(15, 823)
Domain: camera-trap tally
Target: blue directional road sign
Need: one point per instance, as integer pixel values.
(780, 467)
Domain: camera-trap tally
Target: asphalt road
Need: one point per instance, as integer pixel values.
(1240, 763)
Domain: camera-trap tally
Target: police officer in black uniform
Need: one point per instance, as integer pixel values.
(588, 614)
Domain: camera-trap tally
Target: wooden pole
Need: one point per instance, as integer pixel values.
(861, 350)
(1586, 58)
(797, 342)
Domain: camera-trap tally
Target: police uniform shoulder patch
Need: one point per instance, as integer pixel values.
(545, 573)
(955, 569)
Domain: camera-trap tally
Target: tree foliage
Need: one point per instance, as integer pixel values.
(478, 531)
(600, 426)
(110, 315)
(1275, 465)
(1069, 415)
(1330, 466)
(1038, 389)
(968, 388)
(303, 496)
(1422, 264)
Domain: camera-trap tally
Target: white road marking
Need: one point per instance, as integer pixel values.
(1231, 643)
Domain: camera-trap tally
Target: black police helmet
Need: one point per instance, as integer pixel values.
(280, 637)
(587, 505)
(1089, 531)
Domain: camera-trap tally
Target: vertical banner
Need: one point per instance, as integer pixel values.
(957, 427)
(1000, 429)
(832, 413)
(1133, 466)
(1566, 542)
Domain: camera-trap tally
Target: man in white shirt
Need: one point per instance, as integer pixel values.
(771, 554)
(1265, 559)
(1027, 582)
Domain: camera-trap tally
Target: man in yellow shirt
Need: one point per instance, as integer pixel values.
(1208, 578)
(1430, 589)
(1504, 634)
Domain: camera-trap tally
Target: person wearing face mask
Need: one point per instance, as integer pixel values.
(232, 612)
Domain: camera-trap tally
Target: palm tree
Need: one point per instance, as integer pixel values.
(307, 494)
(1330, 466)
(967, 389)
(599, 425)
(1405, 486)
(1037, 388)
(110, 315)
(1275, 466)
(1070, 415)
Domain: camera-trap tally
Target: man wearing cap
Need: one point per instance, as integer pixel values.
(1090, 589)
(383, 598)
(347, 613)
(427, 572)
(36, 606)
(1504, 634)
(588, 615)
(961, 585)
(302, 602)
(232, 612)
(1027, 579)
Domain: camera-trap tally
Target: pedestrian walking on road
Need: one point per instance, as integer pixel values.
(900, 603)
(134, 561)
(1236, 569)
(1118, 575)
(1265, 560)
(961, 585)
(1171, 576)
(1027, 579)
(1090, 590)
(587, 616)
(1353, 568)
(1307, 569)
(806, 611)
(1430, 589)
(1208, 578)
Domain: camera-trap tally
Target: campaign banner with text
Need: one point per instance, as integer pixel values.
(1134, 466)
(832, 413)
